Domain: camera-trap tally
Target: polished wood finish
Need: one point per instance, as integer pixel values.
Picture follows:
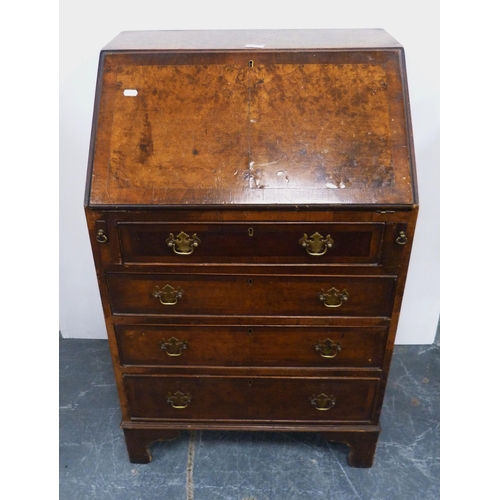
(250, 295)
(251, 128)
(362, 446)
(265, 243)
(139, 440)
(250, 345)
(287, 399)
(234, 192)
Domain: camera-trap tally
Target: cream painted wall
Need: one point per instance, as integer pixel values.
(85, 27)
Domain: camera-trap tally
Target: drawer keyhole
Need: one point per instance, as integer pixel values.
(250, 383)
(250, 231)
(250, 282)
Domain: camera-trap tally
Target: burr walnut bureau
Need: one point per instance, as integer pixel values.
(251, 202)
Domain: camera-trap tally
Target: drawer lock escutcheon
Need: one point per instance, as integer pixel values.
(168, 295)
(178, 400)
(333, 297)
(173, 346)
(322, 402)
(328, 348)
(317, 245)
(183, 244)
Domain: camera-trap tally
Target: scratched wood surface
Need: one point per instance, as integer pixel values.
(251, 128)
(194, 133)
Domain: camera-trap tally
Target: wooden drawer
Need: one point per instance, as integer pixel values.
(225, 345)
(252, 295)
(250, 398)
(280, 243)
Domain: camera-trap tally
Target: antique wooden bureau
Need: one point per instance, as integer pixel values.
(251, 202)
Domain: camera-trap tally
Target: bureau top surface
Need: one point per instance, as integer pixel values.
(251, 117)
(248, 39)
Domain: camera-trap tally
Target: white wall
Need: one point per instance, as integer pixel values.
(85, 27)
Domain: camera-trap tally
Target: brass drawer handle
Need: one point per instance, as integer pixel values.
(333, 297)
(322, 402)
(328, 348)
(173, 347)
(178, 400)
(317, 245)
(183, 244)
(168, 295)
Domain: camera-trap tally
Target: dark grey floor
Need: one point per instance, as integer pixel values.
(245, 466)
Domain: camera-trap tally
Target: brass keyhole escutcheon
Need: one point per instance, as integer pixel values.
(178, 400)
(183, 244)
(333, 297)
(322, 401)
(250, 231)
(167, 295)
(327, 348)
(316, 245)
(173, 346)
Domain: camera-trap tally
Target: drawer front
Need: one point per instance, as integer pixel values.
(250, 295)
(251, 346)
(250, 398)
(320, 243)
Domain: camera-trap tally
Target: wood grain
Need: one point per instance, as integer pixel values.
(250, 148)
(251, 346)
(252, 243)
(250, 295)
(242, 398)
(292, 129)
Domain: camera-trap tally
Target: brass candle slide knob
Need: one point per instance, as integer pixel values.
(101, 236)
(402, 239)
